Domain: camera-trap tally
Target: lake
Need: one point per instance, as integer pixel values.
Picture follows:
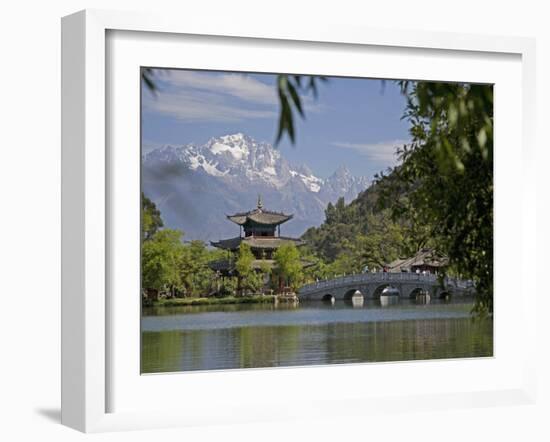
(313, 333)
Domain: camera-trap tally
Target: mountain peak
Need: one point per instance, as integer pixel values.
(342, 171)
(236, 139)
(233, 137)
(194, 185)
(239, 157)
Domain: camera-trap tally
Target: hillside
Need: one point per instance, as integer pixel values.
(362, 233)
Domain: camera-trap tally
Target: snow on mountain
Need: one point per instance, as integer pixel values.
(196, 185)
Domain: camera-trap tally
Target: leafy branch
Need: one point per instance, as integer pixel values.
(290, 101)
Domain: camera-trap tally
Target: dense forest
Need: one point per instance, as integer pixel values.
(362, 234)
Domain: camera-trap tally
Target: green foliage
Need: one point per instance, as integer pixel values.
(446, 177)
(160, 258)
(265, 268)
(150, 218)
(196, 277)
(266, 272)
(171, 267)
(227, 287)
(148, 78)
(244, 261)
(336, 214)
(289, 88)
(288, 265)
(383, 241)
(249, 280)
(357, 235)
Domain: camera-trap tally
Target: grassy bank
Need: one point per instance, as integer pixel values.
(255, 299)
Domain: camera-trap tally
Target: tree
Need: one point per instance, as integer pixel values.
(197, 278)
(358, 234)
(150, 218)
(445, 180)
(160, 258)
(170, 265)
(288, 91)
(266, 271)
(383, 241)
(248, 279)
(336, 214)
(288, 265)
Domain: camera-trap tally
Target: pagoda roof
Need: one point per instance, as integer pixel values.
(259, 216)
(424, 257)
(256, 242)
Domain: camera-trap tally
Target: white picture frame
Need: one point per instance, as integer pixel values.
(87, 209)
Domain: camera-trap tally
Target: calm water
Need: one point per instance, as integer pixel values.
(243, 336)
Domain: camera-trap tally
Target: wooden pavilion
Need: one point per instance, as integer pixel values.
(261, 230)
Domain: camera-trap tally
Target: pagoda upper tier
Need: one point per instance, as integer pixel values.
(259, 216)
(259, 222)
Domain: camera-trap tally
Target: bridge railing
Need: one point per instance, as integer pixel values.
(382, 277)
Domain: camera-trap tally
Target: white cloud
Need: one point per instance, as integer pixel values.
(195, 96)
(196, 106)
(383, 152)
(240, 86)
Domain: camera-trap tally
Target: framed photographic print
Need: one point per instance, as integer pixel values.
(260, 213)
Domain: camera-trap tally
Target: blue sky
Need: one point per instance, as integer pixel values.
(354, 122)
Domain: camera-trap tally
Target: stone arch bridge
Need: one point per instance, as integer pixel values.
(371, 285)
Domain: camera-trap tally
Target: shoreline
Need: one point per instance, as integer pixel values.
(252, 299)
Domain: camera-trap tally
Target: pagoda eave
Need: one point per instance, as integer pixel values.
(257, 242)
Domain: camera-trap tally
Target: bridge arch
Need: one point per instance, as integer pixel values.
(351, 293)
(328, 298)
(417, 291)
(444, 294)
(377, 292)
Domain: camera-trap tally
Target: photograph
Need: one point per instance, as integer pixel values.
(293, 220)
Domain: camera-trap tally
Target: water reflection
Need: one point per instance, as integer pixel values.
(386, 300)
(244, 336)
(357, 301)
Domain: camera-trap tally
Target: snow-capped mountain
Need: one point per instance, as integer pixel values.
(195, 186)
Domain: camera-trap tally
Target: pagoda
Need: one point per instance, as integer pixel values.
(261, 230)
